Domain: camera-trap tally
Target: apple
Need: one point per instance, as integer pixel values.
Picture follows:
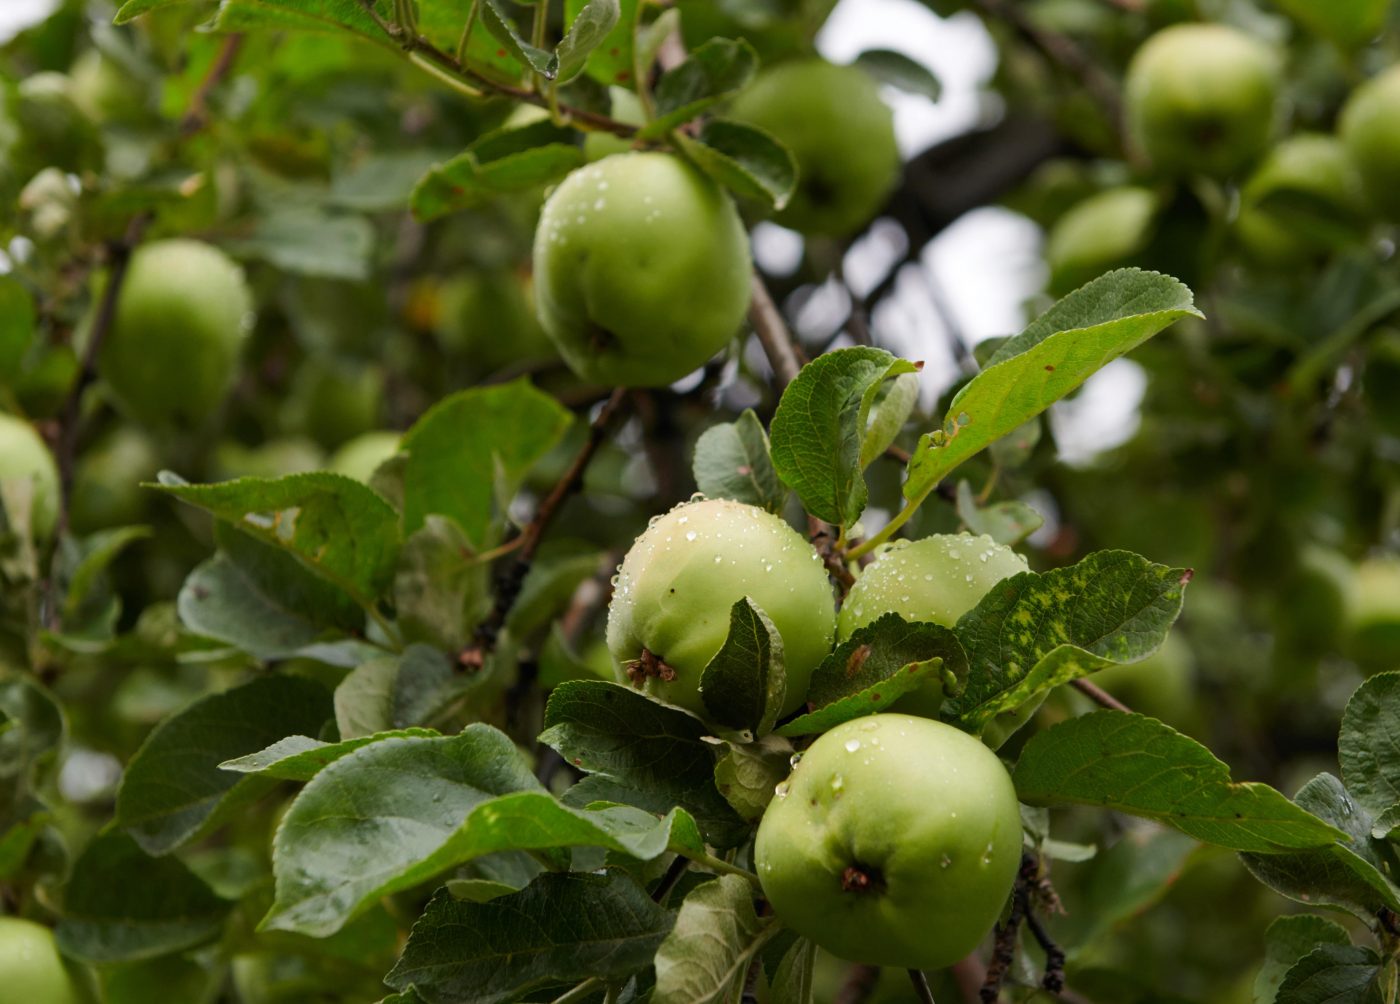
(895, 842)
(56, 132)
(1318, 169)
(361, 457)
(31, 970)
(1202, 99)
(1373, 615)
(642, 269)
(172, 352)
(1370, 129)
(933, 580)
(681, 577)
(1163, 685)
(1102, 232)
(104, 90)
(841, 134)
(24, 455)
(275, 458)
(332, 401)
(487, 319)
(107, 480)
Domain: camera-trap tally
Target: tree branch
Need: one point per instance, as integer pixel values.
(197, 115)
(921, 987)
(1099, 696)
(782, 350)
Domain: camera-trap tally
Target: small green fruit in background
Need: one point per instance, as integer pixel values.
(1347, 22)
(24, 455)
(1373, 619)
(333, 401)
(641, 269)
(273, 459)
(55, 131)
(1163, 685)
(1103, 232)
(487, 319)
(172, 352)
(934, 580)
(1202, 99)
(361, 457)
(31, 970)
(894, 842)
(841, 134)
(107, 480)
(1316, 172)
(103, 90)
(687, 570)
(1370, 128)
(1380, 380)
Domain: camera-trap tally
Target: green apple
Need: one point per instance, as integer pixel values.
(933, 580)
(895, 842)
(273, 459)
(1370, 128)
(172, 352)
(56, 132)
(1347, 22)
(103, 90)
(1202, 99)
(25, 456)
(487, 319)
(1373, 615)
(642, 269)
(1163, 685)
(1316, 171)
(31, 970)
(107, 480)
(678, 582)
(1103, 232)
(333, 401)
(361, 457)
(841, 134)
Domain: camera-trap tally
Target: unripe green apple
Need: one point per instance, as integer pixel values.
(1315, 167)
(104, 90)
(1202, 99)
(641, 269)
(1348, 22)
(332, 401)
(1101, 233)
(274, 459)
(172, 352)
(841, 134)
(1373, 617)
(107, 480)
(1163, 685)
(56, 132)
(361, 457)
(686, 571)
(895, 842)
(24, 455)
(488, 319)
(933, 580)
(31, 970)
(1370, 128)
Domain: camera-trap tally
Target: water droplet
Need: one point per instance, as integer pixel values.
(718, 559)
(987, 855)
(852, 745)
(955, 554)
(794, 760)
(782, 789)
(944, 861)
(691, 535)
(837, 785)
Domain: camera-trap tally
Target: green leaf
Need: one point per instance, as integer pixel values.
(509, 160)
(122, 905)
(1347, 875)
(399, 811)
(588, 29)
(498, 22)
(440, 590)
(90, 608)
(1059, 351)
(468, 441)
(1007, 522)
(1333, 974)
(333, 525)
(1032, 632)
(794, 980)
(173, 790)
(17, 320)
(559, 929)
(743, 686)
(401, 691)
(610, 61)
(898, 70)
(877, 665)
(300, 758)
(745, 159)
(893, 404)
(820, 426)
(731, 461)
(135, 8)
(707, 954)
(1346, 22)
(649, 754)
(1139, 766)
(381, 181)
(308, 241)
(1286, 941)
(302, 15)
(715, 70)
(1384, 826)
(748, 773)
(1368, 746)
(34, 726)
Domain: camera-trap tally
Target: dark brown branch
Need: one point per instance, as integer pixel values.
(1099, 696)
(197, 115)
(921, 987)
(783, 352)
(508, 584)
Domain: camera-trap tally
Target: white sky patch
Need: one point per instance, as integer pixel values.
(16, 15)
(1105, 414)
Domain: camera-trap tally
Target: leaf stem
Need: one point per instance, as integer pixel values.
(579, 992)
(723, 867)
(467, 27)
(1098, 695)
(888, 531)
(921, 987)
(537, 28)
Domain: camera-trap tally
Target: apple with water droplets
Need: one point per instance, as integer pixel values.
(895, 842)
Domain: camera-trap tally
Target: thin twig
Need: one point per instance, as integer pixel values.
(1099, 696)
(782, 350)
(581, 992)
(670, 879)
(1063, 51)
(509, 583)
(197, 115)
(921, 987)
